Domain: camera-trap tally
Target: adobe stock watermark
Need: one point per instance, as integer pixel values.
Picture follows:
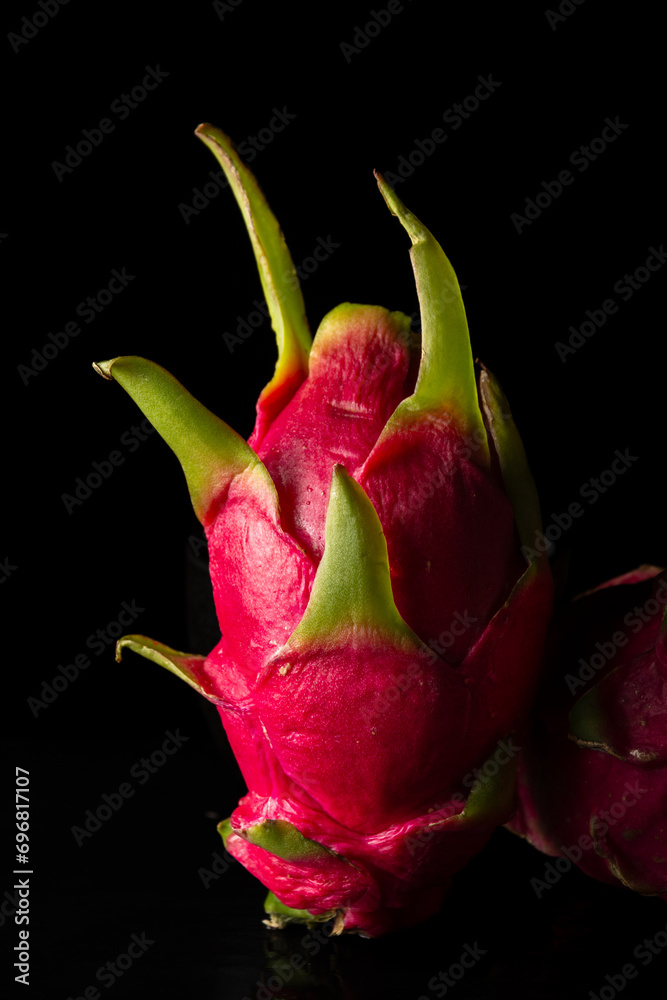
(104, 469)
(463, 448)
(88, 310)
(30, 26)
(248, 148)
(591, 491)
(458, 626)
(454, 117)
(504, 752)
(246, 326)
(426, 487)
(6, 569)
(410, 338)
(445, 980)
(565, 10)
(600, 823)
(462, 451)
(108, 973)
(625, 287)
(219, 865)
(9, 907)
(436, 478)
(401, 683)
(142, 771)
(580, 158)
(364, 35)
(221, 8)
(121, 107)
(197, 543)
(384, 700)
(645, 952)
(634, 621)
(97, 642)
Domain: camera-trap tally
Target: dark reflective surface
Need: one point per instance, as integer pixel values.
(154, 870)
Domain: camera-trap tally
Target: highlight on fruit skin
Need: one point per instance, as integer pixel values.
(593, 775)
(381, 631)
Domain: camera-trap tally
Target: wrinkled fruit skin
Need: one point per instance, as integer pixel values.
(381, 631)
(593, 777)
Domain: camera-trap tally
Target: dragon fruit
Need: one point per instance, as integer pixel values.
(593, 776)
(381, 629)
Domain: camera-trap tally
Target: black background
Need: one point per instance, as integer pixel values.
(135, 537)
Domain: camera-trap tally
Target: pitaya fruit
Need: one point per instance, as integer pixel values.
(593, 776)
(381, 630)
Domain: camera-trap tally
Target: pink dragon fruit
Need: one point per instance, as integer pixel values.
(381, 630)
(593, 776)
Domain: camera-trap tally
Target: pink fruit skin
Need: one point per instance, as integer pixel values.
(360, 744)
(605, 796)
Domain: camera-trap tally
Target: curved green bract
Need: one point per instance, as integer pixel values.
(174, 660)
(224, 828)
(492, 799)
(280, 915)
(352, 586)
(447, 373)
(279, 837)
(276, 269)
(493, 795)
(210, 452)
(517, 477)
(589, 726)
